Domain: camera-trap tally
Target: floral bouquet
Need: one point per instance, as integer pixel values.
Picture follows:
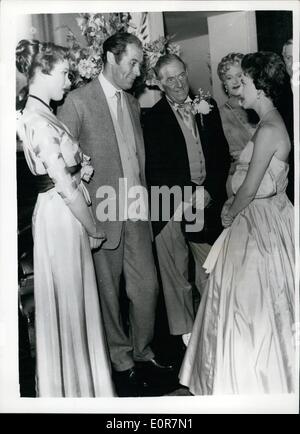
(86, 63)
(153, 51)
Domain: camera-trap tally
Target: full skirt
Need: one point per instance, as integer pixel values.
(243, 336)
(72, 355)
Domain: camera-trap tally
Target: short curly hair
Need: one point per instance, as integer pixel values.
(268, 72)
(232, 59)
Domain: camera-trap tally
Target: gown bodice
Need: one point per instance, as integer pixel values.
(274, 180)
(50, 149)
(237, 128)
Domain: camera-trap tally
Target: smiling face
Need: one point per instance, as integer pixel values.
(57, 82)
(123, 73)
(232, 80)
(173, 80)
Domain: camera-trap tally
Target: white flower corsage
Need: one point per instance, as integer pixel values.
(87, 169)
(201, 105)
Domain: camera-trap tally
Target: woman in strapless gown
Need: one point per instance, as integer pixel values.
(243, 337)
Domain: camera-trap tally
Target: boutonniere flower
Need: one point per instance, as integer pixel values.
(87, 169)
(201, 105)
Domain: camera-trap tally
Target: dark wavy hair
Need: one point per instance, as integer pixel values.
(267, 71)
(32, 54)
(117, 44)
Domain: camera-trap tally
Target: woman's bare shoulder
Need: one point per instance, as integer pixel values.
(273, 135)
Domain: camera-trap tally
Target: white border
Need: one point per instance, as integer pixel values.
(9, 388)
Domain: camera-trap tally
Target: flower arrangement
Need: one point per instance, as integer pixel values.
(153, 51)
(86, 62)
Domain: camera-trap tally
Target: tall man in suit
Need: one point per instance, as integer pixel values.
(106, 121)
(184, 150)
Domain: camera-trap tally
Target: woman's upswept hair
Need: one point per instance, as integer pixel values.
(232, 59)
(32, 54)
(267, 71)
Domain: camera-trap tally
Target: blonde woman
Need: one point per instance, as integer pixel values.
(238, 123)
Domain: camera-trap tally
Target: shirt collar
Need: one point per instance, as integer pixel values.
(108, 88)
(175, 105)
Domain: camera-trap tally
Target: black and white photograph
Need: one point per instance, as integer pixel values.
(149, 216)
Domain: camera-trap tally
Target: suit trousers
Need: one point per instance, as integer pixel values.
(200, 252)
(134, 258)
(173, 256)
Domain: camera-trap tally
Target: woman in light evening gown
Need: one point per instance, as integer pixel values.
(72, 357)
(243, 337)
(238, 124)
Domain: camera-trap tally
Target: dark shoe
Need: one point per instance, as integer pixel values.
(130, 384)
(153, 364)
(161, 377)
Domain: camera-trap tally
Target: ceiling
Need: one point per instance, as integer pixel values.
(185, 25)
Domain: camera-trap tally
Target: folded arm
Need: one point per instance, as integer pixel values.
(46, 145)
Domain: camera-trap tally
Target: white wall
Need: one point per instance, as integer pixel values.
(23, 31)
(230, 32)
(195, 53)
(155, 30)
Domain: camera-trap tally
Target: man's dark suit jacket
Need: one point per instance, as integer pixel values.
(286, 109)
(167, 162)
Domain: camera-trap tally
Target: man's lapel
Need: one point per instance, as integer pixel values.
(101, 104)
(105, 121)
(202, 131)
(169, 119)
(137, 131)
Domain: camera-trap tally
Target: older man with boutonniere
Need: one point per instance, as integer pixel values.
(185, 147)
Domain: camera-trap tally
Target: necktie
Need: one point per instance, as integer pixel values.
(185, 113)
(120, 117)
